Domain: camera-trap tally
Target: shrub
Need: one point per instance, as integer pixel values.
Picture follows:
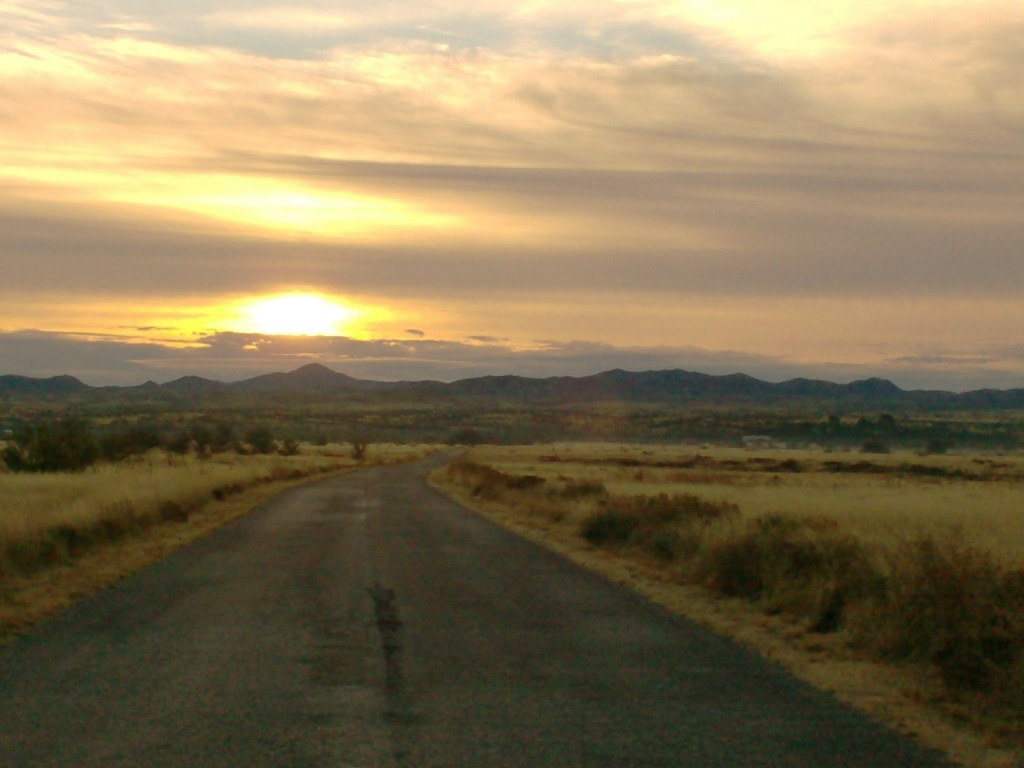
(609, 526)
(66, 445)
(579, 489)
(261, 440)
(802, 566)
(290, 447)
(661, 525)
(490, 483)
(132, 440)
(951, 606)
(180, 443)
(874, 445)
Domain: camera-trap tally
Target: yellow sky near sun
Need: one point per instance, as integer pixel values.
(301, 312)
(805, 28)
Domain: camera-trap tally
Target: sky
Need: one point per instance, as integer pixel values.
(439, 190)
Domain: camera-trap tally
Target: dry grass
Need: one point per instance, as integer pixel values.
(907, 564)
(885, 503)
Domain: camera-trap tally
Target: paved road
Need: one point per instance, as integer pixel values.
(367, 621)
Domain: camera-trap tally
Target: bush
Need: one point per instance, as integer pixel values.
(874, 445)
(490, 483)
(66, 445)
(261, 440)
(579, 489)
(951, 606)
(802, 566)
(133, 440)
(609, 526)
(661, 525)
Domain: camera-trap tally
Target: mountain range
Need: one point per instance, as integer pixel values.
(666, 387)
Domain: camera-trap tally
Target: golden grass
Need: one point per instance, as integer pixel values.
(881, 508)
(832, 545)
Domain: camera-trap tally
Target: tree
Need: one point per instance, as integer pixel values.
(65, 445)
(261, 440)
(132, 440)
(359, 448)
(874, 445)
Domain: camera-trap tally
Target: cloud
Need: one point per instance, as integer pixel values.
(650, 172)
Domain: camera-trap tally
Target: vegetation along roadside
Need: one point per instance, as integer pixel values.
(896, 580)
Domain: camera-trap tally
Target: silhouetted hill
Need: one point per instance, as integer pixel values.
(309, 378)
(667, 386)
(192, 385)
(56, 385)
(676, 386)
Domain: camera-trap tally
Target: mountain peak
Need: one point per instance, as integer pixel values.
(312, 377)
(875, 387)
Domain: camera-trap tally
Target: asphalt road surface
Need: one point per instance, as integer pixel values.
(367, 621)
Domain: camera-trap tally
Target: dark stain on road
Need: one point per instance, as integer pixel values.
(385, 607)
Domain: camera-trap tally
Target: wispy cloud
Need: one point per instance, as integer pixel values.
(841, 178)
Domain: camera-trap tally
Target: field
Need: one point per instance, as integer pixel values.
(914, 563)
(881, 498)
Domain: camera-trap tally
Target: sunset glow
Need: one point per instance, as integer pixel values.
(826, 190)
(296, 314)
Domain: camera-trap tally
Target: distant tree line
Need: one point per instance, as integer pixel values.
(70, 443)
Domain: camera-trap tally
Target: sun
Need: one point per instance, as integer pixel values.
(296, 314)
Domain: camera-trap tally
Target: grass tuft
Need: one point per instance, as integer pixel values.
(660, 525)
(805, 567)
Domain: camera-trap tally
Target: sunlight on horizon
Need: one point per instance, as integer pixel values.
(296, 314)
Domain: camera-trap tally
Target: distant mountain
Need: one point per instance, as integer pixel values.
(309, 378)
(191, 385)
(673, 386)
(668, 387)
(56, 385)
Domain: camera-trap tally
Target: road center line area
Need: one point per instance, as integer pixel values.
(367, 621)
